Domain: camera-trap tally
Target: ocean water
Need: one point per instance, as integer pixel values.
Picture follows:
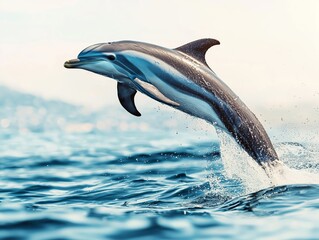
(70, 173)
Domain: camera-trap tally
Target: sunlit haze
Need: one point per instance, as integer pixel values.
(268, 54)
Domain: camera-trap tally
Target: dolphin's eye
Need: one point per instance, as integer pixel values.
(111, 57)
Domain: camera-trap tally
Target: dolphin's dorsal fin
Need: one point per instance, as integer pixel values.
(198, 48)
(126, 96)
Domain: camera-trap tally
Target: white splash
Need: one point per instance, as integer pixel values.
(239, 165)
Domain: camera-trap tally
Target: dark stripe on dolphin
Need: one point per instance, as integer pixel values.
(255, 141)
(230, 109)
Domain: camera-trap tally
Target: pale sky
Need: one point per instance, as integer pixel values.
(268, 55)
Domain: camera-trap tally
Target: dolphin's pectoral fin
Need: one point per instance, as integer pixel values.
(198, 48)
(126, 96)
(156, 94)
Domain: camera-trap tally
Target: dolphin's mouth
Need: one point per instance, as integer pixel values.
(73, 63)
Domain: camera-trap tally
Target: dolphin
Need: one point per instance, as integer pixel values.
(179, 78)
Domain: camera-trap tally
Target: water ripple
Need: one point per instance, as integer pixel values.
(67, 173)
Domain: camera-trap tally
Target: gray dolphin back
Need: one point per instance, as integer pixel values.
(239, 121)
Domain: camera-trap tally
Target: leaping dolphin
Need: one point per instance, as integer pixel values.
(182, 79)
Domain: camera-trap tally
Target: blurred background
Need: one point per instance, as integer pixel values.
(76, 165)
(268, 54)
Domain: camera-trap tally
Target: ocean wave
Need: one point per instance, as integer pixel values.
(68, 173)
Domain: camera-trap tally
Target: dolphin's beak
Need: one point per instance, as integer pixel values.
(73, 63)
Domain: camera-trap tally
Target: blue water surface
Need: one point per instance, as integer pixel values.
(70, 173)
